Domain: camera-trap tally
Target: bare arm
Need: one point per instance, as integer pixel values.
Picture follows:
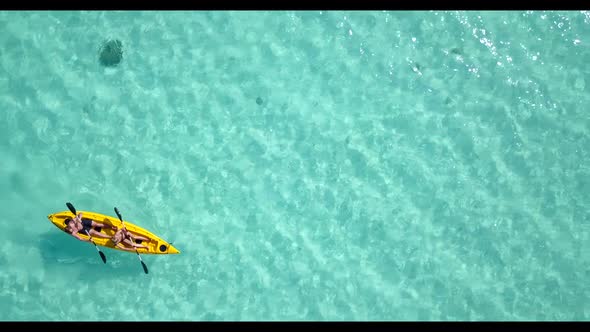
(79, 217)
(120, 246)
(136, 237)
(79, 238)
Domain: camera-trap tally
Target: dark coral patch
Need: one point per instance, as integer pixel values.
(111, 53)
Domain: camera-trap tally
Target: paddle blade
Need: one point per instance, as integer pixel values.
(104, 258)
(118, 214)
(145, 269)
(71, 207)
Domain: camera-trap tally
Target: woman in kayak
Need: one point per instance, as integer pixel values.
(123, 237)
(79, 225)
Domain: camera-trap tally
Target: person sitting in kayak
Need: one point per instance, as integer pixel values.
(123, 237)
(79, 225)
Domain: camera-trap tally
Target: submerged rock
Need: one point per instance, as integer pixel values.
(111, 53)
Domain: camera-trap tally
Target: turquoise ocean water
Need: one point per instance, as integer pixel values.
(397, 165)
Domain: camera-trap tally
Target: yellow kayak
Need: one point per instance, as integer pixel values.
(155, 245)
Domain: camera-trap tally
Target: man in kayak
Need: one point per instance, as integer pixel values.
(79, 225)
(124, 238)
